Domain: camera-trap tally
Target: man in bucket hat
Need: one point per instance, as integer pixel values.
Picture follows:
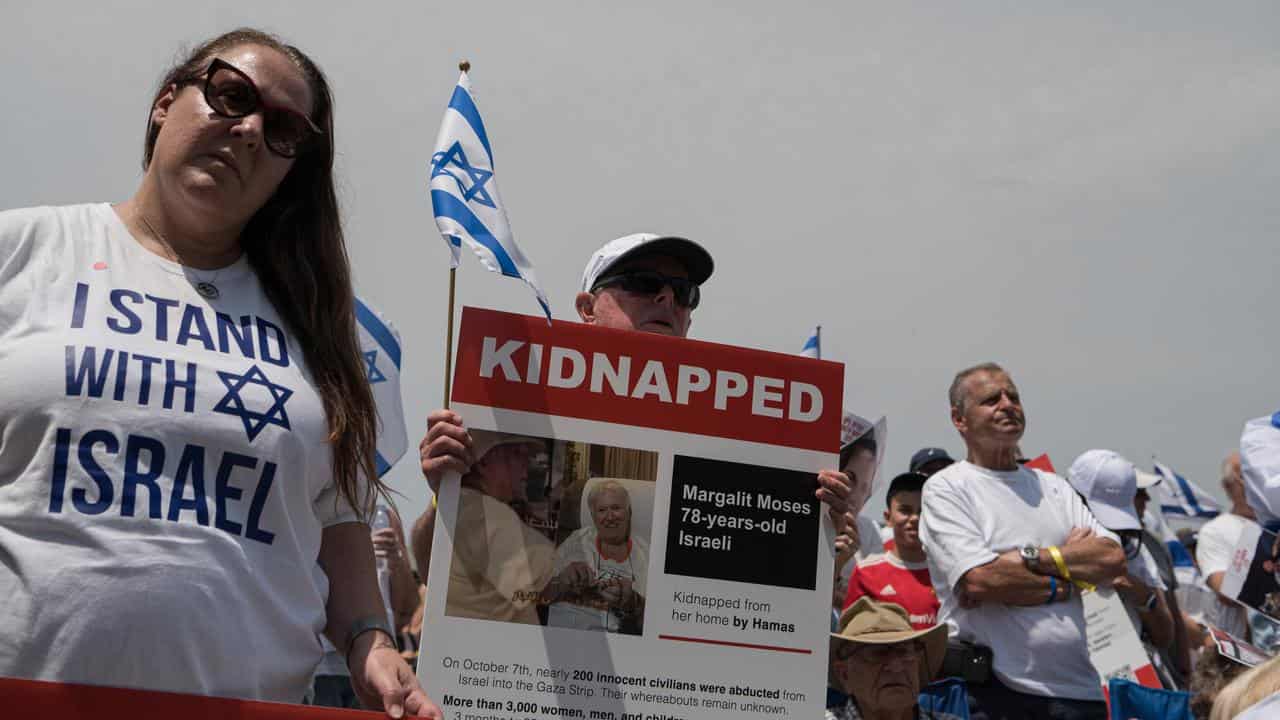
(881, 662)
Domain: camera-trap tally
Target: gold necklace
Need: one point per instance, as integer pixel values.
(206, 288)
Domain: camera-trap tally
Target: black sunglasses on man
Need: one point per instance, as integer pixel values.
(651, 282)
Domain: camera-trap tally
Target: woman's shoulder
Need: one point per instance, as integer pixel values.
(25, 226)
(51, 216)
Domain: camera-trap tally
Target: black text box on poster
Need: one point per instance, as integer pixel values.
(746, 523)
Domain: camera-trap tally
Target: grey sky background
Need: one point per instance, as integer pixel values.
(1086, 195)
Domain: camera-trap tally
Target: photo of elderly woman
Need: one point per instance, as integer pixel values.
(554, 533)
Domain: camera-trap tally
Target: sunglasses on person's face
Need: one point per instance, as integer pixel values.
(650, 282)
(231, 94)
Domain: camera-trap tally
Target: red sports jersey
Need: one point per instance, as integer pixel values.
(887, 578)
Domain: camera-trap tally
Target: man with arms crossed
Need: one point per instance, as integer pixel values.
(1004, 543)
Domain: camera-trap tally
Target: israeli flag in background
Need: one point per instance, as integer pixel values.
(465, 196)
(1181, 499)
(813, 346)
(380, 347)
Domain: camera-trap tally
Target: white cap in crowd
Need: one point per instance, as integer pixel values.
(1108, 483)
(1260, 466)
(697, 261)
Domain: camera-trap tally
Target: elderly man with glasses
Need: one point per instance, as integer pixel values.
(881, 662)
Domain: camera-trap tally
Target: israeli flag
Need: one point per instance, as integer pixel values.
(1184, 567)
(380, 347)
(1180, 498)
(465, 196)
(813, 346)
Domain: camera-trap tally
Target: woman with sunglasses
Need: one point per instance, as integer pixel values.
(187, 433)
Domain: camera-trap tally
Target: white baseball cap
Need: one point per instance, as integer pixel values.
(695, 258)
(1108, 483)
(1260, 466)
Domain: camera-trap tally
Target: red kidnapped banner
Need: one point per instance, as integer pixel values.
(34, 699)
(518, 362)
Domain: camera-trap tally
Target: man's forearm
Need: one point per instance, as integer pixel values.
(1007, 580)
(420, 538)
(1096, 560)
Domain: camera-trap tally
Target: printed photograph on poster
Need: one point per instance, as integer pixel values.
(558, 534)
(1237, 650)
(1260, 588)
(1253, 574)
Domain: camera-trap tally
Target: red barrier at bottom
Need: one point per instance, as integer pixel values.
(45, 700)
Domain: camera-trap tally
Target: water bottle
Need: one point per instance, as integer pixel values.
(381, 520)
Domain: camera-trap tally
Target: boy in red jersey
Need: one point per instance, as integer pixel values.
(899, 575)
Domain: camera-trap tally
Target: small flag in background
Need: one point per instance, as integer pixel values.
(465, 196)
(813, 346)
(1181, 498)
(380, 346)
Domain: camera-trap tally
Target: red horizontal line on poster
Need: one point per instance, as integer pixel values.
(37, 699)
(519, 362)
(750, 646)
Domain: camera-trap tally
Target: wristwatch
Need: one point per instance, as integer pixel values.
(1152, 602)
(1030, 557)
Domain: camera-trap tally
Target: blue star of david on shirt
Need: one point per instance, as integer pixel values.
(233, 404)
(370, 361)
(454, 156)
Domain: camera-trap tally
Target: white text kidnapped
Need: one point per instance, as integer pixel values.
(568, 368)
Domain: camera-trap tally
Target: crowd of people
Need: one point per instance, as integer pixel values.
(136, 490)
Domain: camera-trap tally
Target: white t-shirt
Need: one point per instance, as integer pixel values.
(971, 515)
(1214, 546)
(164, 475)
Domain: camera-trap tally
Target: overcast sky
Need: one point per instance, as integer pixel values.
(1087, 195)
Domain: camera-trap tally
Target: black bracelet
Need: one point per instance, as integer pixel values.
(363, 625)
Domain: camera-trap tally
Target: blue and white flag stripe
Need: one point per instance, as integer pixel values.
(380, 347)
(1179, 496)
(813, 346)
(465, 198)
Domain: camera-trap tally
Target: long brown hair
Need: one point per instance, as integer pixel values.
(295, 245)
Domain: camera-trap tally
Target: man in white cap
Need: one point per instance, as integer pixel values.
(1108, 484)
(501, 565)
(645, 282)
(1005, 543)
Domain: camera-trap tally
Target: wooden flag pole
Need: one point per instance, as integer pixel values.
(464, 66)
(448, 338)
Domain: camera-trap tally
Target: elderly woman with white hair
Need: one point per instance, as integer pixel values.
(599, 580)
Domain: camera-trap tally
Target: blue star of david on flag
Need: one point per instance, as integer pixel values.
(465, 198)
(455, 156)
(254, 421)
(371, 364)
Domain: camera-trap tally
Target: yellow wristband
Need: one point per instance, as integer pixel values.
(434, 505)
(1061, 564)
